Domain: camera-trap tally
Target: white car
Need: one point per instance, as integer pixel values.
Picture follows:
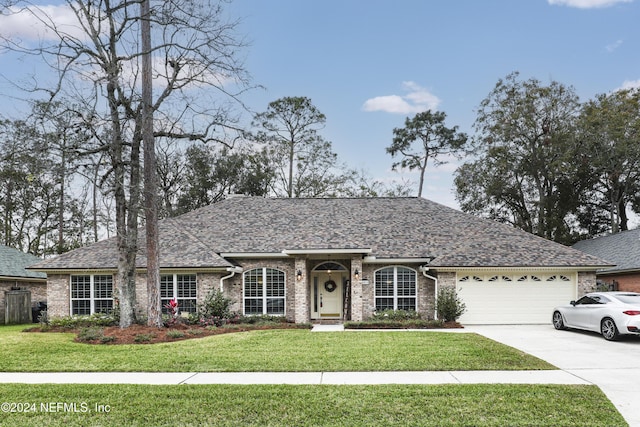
(610, 313)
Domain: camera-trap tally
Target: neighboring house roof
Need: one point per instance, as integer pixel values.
(13, 264)
(622, 249)
(384, 228)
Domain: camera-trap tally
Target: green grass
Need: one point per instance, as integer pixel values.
(270, 350)
(291, 405)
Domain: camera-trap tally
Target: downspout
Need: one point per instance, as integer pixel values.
(424, 269)
(233, 271)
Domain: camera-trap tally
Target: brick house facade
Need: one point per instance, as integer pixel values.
(329, 259)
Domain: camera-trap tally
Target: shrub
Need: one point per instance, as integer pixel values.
(215, 304)
(92, 333)
(144, 337)
(264, 319)
(43, 318)
(75, 322)
(214, 310)
(175, 334)
(449, 306)
(172, 309)
(395, 324)
(395, 315)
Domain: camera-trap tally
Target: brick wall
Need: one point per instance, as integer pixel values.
(289, 268)
(586, 282)
(58, 304)
(425, 291)
(626, 282)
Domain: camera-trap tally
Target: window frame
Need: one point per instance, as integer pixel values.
(395, 295)
(175, 293)
(261, 294)
(94, 295)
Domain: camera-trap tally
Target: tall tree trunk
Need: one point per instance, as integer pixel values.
(126, 213)
(291, 157)
(154, 311)
(60, 245)
(622, 215)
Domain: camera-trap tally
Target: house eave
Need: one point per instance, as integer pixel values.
(252, 255)
(111, 270)
(547, 268)
(612, 272)
(328, 251)
(23, 279)
(376, 260)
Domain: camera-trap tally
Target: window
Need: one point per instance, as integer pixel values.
(183, 287)
(91, 294)
(395, 289)
(264, 292)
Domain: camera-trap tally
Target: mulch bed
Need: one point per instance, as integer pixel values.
(143, 334)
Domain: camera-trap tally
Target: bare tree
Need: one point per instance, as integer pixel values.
(96, 60)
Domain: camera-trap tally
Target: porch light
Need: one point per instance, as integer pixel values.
(357, 274)
(299, 275)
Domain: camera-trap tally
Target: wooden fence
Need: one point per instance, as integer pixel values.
(17, 307)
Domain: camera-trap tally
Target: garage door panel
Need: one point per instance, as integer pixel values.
(516, 301)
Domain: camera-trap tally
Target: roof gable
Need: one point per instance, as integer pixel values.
(622, 249)
(13, 263)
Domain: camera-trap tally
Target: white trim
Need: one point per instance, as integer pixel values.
(174, 289)
(327, 251)
(395, 295)
(374, 260)
(252, 255)
(550, 269)
(92, 292)
(264, 296)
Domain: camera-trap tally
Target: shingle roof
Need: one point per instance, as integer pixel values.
(622, 249)
(13, 264)
(389, 227)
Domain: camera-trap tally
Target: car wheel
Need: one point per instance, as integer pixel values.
(608, 329)
(558, 321)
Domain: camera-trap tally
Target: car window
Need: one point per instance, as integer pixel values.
(585, 300)
(629, 298)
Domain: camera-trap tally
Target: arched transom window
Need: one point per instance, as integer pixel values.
(264, 292)
(395, 289)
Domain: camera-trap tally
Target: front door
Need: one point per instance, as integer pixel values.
(326, 295)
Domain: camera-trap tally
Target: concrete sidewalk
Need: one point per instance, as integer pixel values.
(353, 378)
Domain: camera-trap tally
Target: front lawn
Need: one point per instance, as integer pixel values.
(272, 350)
(319, 405)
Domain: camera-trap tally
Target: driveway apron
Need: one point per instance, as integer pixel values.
(612, 366)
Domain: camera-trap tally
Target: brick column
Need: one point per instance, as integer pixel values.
(301, 296)
(356, 290)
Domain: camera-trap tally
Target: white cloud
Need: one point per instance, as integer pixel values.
(613, 46)
(417, 99)
(630, 84)
(587, 4)
(36, 22)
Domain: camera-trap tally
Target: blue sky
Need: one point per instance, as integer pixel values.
(369, 64)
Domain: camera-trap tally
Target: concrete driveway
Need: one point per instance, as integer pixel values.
(612, 366)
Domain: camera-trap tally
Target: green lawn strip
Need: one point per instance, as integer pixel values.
(271, 350)
(312, 405)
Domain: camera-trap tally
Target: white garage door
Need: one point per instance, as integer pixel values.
(513, 298)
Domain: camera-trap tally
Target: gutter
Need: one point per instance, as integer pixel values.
(233, 271)
(424, 269)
